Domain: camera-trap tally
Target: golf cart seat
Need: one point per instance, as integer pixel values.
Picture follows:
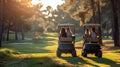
(94, 40)
(66, 40)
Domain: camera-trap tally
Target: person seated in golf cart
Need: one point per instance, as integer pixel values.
(66, 35)
(94, 38)
(69, 33)
(93, 33)
(63, 33)
(86, 36)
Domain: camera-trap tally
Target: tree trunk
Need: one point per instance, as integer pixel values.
(3, 32)
(8, 29)
(22, 35)
(16, 36)
(22, 32)
(112, 24)
(93, 10)
(16, 31)
(115, 24)
(107, 29)
(99, 17)
(119, 19)
(1, 21)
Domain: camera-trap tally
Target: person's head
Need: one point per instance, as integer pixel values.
(87, 31)
(63, 30)
(68, 29)
(93, 29)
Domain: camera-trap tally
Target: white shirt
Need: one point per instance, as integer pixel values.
(93, 35)
(69, 34)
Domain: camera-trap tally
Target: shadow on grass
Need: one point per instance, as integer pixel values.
(116, 51)
(8, 60)
(33, 62)
(78, 61)
(79, 47)
(108, 42)
(111, 48)
(105, 61)
(81, 62)
(44, 62)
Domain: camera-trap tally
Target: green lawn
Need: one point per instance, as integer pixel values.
(41, 52)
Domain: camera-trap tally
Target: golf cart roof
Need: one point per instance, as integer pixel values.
(91, 25)
(88, 26)
(71, 26)
(65, 25)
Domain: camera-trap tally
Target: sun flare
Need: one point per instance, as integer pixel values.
(34, 2)
(45, 3)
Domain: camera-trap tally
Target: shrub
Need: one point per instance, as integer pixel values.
(6, 53)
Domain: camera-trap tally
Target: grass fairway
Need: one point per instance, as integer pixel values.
(41, 52)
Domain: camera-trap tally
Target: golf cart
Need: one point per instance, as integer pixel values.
(91, 45)
(66, 44)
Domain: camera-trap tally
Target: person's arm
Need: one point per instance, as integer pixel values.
(90, 35)
(71, 34)
(96, 35)
(84, 37)
(59, 36)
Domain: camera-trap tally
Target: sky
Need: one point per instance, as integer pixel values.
(52, 3)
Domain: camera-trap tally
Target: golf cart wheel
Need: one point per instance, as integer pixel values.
(73, 53)
(99, 54)
(84, 53)
(58, 53)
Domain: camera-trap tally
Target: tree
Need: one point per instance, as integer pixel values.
(88, 11)
(99, 20)
(49, 10)
(115, 22)
(93, 10)
(1, 21)
(16, 11)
